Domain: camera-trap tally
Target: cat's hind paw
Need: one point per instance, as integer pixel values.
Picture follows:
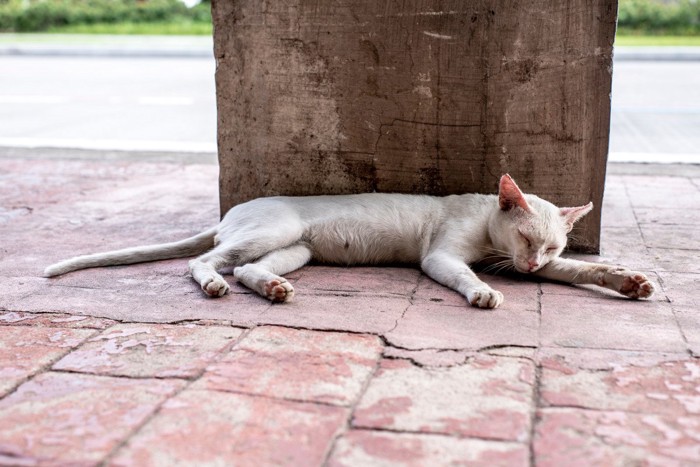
(216, 287)
(636, 285)
(485, 297)
(279, 290)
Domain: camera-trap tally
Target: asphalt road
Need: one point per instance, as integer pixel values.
(168, 104)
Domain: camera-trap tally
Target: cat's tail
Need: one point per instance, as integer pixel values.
(188, 247)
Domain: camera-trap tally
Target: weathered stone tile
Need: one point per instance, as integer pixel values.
(57, 320)
(365, 448)
(430, 357)
(372, 280)
(328, 367)
(211, 428)
(164, 299)
(617, 210)
(343, 312)
(625, 247)
(431, 325)
(683, 289)
(668, 216)
(654, 384)
(671, 260)
(69, 419)
(573, 321)
(519, 292)
(662, 192)
(488, 397)
(150, 350)
(672, 236)
(689, 321)
(574, 437)
(25, 350)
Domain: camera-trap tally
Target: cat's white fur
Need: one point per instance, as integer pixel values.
(266, 238)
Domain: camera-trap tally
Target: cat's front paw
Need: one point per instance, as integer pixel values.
(216, 287)
(636, 285)
(485, 297)
(279, 290)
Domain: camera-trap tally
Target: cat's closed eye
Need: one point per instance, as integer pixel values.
(527, 240)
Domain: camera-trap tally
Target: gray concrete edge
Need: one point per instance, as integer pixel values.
(613, 168)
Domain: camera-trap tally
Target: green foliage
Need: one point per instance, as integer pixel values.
(43, 15)
(669, 17)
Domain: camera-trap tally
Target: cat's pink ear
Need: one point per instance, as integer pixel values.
(510, 196)
(571, 215)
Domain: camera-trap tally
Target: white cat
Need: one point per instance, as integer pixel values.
(268, 237)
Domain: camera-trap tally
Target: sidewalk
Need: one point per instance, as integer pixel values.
(368, 366)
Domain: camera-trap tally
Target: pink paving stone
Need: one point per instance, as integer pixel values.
(662, 192)
(150, 350)
(607, 323)
(61, 320)
(488, 397)
(347, 311)
(672, 236)
(623, 246)
(520, 293)
(671, 260)
(668, 216)
(578, 438)
(166, 298)
(210, 428)
(683, 289)
(654, 384)
(365, 448)
(373, 280)
(689, 321)
(430, 357)
(328, 367)
(69, 419)
(433, 325)
(25, 351)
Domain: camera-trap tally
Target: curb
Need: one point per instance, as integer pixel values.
(657, 54)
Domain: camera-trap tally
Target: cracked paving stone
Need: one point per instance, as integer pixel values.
(366, 280)
(374, 448)
(56, 320)
(72, 419)
(211, 428)
(327, 367)
(607, 323)
(341, 312)
(25, 351)
(575, 437)
(663, 387)
(488, 397)
(150, 350)
(433, 325)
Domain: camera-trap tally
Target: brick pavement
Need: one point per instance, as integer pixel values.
(369, 366)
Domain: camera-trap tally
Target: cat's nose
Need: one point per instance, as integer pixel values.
(533, 264)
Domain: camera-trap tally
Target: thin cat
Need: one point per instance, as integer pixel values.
(266, 238)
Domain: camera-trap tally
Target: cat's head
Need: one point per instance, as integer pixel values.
(530, 230)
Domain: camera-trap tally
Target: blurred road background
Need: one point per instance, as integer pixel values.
(157, 94)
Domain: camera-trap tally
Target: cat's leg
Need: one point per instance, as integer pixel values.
(452, 271)
(622, 280)
(204, 271)
(264, 275)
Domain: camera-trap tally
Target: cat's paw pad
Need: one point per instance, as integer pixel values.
(216, 287)
(636, 285)
(279, 290)
(485, 297)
